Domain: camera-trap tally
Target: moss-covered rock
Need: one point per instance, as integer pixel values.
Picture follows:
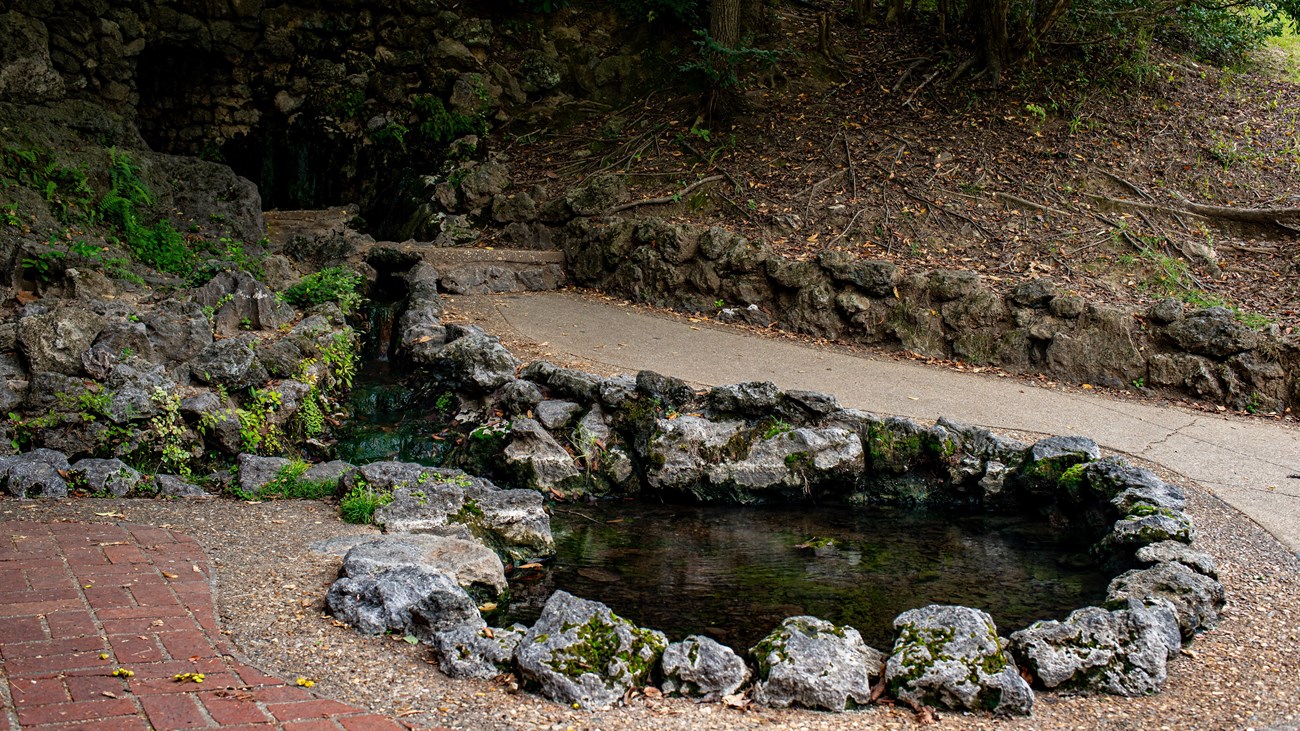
(812, 663)
(952, 657)
(579, 652)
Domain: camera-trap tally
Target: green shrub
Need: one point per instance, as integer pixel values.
(334, 284)
(440, 125)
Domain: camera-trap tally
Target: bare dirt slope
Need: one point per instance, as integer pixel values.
(1078, 172)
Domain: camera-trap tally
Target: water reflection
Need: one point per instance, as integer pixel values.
(735, 572)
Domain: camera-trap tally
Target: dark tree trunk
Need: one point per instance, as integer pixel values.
(724, 22)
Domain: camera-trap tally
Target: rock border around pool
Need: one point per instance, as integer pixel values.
(541, 429)
(754, 443)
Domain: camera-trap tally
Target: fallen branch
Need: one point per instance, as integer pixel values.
(1028, 203)
(1246, 215)
(674, 198)
(1143, 206)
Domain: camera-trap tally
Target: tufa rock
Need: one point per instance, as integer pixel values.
(952, 657)
(812, 663)
(699, 667)
(583, 654)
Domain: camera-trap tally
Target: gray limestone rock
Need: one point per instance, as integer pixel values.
(581, 653)
(173, 486)
(105, 476)
(242, 303)
(794, 459)
(683, 449)
(178, 330)
(471, 563)
(1195, 599)
(812, 663)
(952, 657)
(671, 392)
(535, 453)
(1214, 332)
(229, 363)
(475, 362)
(1148, 525)
(27, 75)
(1120, 652)
(518, 396)
(699, 667)
(34, 474)
(482, 652)
(421, 334)
(257, 472)
(753, 399)
(431, 499)
(55, 340)
(406, 599)
(554, 414)
(331, 471)
(1178, 552)
(597, 194)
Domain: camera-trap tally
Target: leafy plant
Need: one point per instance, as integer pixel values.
(66, 189)
(256, 430)
(361, 502)
(290, 484)
(160, 246)
(41, 263)
(333, 284)
(437, 124)
(169, 435)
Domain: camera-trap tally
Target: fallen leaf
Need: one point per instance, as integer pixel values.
(489, 607)
(652, 692)
(735, 700)
(529, 565)
(110, 514)
(170, 575)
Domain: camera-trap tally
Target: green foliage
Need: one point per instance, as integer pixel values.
(361, 502)
(777, 428)
(258, 434)
(439, 125)
(41, 263)
(334, 284)
(66, 189)
(393, 134)
(341, 355)
(726, 67)
(168, 434)
(290, 484)
(683, 11)
(160, 246)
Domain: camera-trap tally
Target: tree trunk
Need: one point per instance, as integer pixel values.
(724, 22)
(990, 23)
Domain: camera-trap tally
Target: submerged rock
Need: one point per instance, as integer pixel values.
(699, 667)
(1121, 652)
(812, 663)
(581, 653)
(952, 657)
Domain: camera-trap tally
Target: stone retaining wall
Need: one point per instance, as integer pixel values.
(1034, 327)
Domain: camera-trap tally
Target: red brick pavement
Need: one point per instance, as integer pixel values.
(79, 601)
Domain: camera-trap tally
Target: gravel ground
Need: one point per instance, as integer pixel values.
(1243, 675)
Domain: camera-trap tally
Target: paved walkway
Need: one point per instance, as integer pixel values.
(1247, 462)
(79, 603)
